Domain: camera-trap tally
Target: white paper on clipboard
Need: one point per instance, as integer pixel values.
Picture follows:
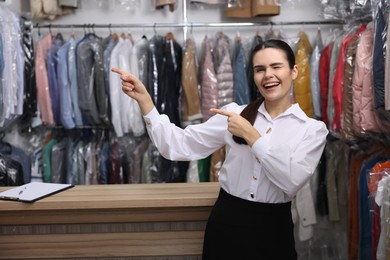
(33, 191)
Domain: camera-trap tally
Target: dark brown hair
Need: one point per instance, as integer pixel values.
(250, 111)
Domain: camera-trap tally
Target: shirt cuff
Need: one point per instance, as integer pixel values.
(151, 116)
(261, 146)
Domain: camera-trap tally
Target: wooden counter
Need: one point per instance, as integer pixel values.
(129, 220)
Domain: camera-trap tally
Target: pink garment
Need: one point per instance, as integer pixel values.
(223, 65)
(338, 80)
(42, 81)
(209, 85)
(364, 118)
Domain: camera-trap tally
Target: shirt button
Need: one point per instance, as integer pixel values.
(254, 177)
(148, 122)
(257, 159)
(252, 195)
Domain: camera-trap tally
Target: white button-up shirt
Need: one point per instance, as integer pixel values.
(272, 170)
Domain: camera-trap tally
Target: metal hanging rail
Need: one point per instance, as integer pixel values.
(189, 24)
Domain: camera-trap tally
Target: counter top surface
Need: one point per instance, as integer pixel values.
(122, 196)
(122, 220)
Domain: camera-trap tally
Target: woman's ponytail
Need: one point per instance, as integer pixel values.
(249, 113)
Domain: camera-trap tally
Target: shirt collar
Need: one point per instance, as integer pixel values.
(294, 110)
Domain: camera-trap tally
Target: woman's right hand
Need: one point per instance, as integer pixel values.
(239, 126)
(134, 88)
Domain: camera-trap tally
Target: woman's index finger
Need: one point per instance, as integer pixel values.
(124, 75)
(119, 71)
(221, 112)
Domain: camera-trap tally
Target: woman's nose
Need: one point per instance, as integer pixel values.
(268, 73)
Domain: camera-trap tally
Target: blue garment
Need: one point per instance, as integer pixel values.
(20, 156)
(1, 56)
(70, 174)
(66, 110)
(241, 88)
(365, 218)
(1, 71)
(104, 163)
(72, 76)
(383, 115)
(52, 60)
(379, 60)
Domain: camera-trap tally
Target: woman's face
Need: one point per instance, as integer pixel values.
(272, 75)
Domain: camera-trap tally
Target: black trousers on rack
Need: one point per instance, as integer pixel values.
(246, 230)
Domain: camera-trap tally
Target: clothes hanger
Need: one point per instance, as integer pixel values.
(130, 37)
(238, 36)
(169, 36)
(114, 35)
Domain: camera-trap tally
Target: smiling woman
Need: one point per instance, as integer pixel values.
(263, 170)
(274, 71)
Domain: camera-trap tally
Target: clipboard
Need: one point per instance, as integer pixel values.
(33, 191)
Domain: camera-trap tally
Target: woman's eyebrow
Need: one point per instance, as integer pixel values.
(258, 66)
(277, 64)
(272, 64)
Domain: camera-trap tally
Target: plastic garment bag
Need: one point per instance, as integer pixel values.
(209, 87)
(347, 119)
(224, 69)
(191, 101)
(155, 57)
(382, 199)
(93, 100)
(169, 85)
(12, 73)
(1, 71)
(302, 92)
(58, 161)
(165, 64)
(380, 38)
(126, 149)
(364, 117)
(253, 91)
(30, 95)
(141, 47)
(315, 86)
(151, 165)
(11, 172)
(338, 78)
(115, 169)
(241, 89)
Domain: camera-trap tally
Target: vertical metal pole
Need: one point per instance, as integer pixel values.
(185, 21)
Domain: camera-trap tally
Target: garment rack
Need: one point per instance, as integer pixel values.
(187, 25)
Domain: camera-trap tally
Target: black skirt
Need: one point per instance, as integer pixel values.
(246, 230)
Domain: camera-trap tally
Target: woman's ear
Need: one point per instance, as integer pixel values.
(294, 72)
